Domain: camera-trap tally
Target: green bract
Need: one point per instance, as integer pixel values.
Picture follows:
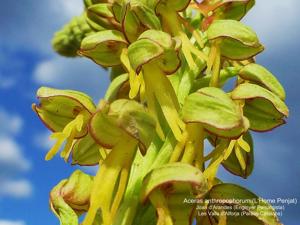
(171, 65)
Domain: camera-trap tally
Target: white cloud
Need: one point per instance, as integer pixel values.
(12, 160)
(76, 73)
(11, 157)
(71, 8)
(15, 188)
(12, 222)
(10, 123)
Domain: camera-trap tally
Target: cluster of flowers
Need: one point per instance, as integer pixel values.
(169, 62)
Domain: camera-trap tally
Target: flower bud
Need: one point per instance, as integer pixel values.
(118, 88)
(67, 41)
(236, 41)
(86, 152)
(70, 198)
(100, 16)
(173, 5)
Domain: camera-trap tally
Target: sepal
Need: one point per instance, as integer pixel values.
(155, 46)
(264, 109)
(260, 75)
(218, 114)
(104, 47)
(57, 107)
(236, 40)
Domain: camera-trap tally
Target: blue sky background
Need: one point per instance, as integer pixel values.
(27, 62)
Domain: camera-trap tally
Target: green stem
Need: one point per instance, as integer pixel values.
(214, 82)
(199, 139)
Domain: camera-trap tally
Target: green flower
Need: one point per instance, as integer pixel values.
(70, 198)
(264, 109)
(168, 186)
(121, 126)
(154, 55)
(66, 114)
(216, 111)
(173, 23)
(170, 62)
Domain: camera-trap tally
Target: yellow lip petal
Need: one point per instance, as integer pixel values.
(68, 134)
